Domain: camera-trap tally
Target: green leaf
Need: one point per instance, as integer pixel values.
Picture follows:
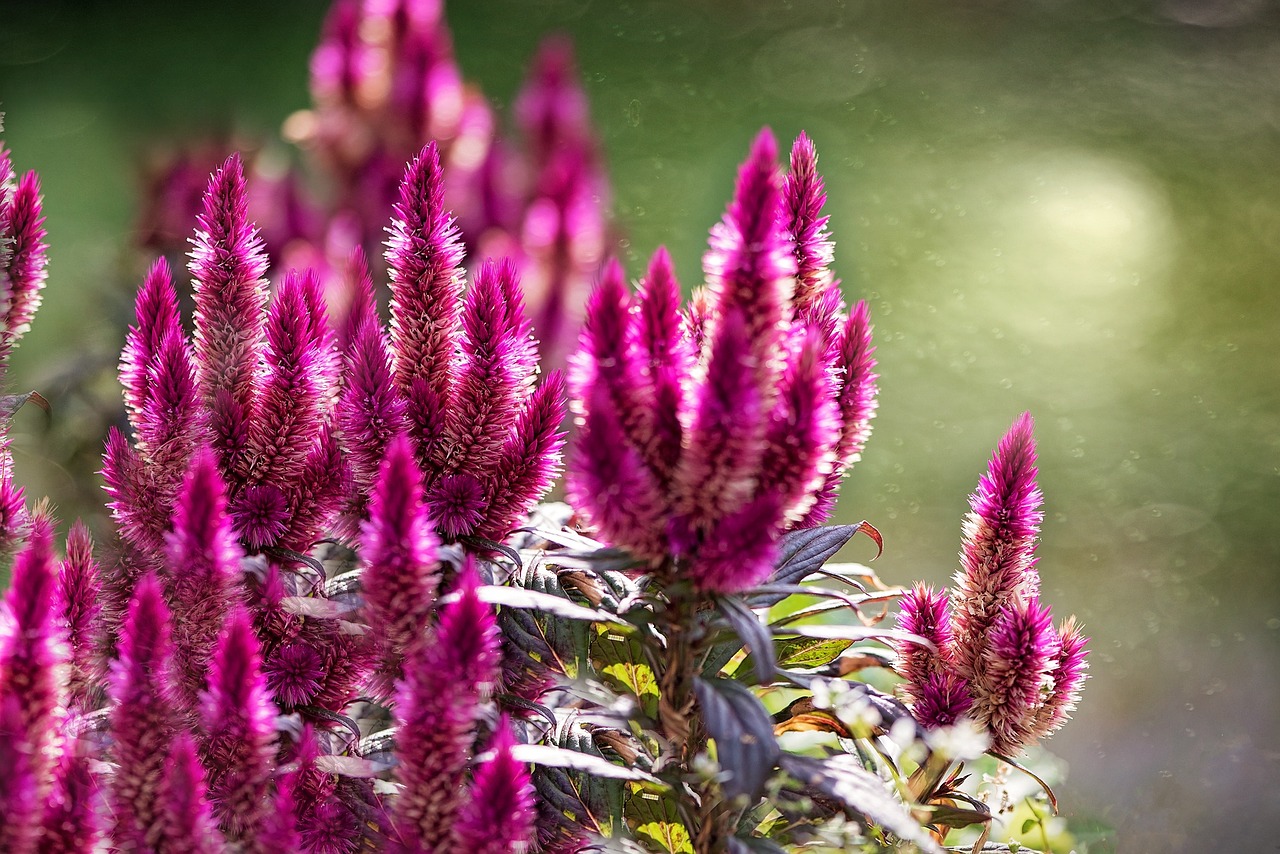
(794, 653)
(843, 778)
(743, 730)
(620, 661)
(1028, 824)
(655, 821)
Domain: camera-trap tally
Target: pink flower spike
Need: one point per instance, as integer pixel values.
(239, 720)
(227, 265)
(30, 660)
(424, 254)
(203, 563)
(317, 497)
(186, 823)
(1008, 684)
(803, 197)
(997, 563)
(156, 309)
(143, 718)
(1068, 680)
(436, 710)
(20, 796)
(80, 611)
(529, 462)
(23, 261)
(73, 815)
(401, 570)
(295, 674)
(498, 818)
(941, 700)
(924, 612)
(740, 551)
(170, 422)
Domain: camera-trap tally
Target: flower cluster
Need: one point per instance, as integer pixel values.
(707, 433)
(999, 659)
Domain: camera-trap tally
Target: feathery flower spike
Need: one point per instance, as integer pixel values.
(803, 198)
(22, 261)
(187, 825)
(79, 610)
(72, 817)
(927, 613)
(1007, 688)
(1068, 679)
(498, 818)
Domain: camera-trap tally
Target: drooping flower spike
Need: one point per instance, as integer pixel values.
(708, 436)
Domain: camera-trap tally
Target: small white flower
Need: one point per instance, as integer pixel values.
(963, 741)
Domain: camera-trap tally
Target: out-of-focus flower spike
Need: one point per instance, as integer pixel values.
(424, 254)
(491, 383)
(141, 519)
(13, 504)
(726, 431)
(401, 576)
(1008, 683)
(437, 707)
(803, 197)
(666, 358)
(20, 796)
(143, 717)
(280, 830)
(341, 61)
(186, 822)
(30, 659)
(1068, 680)
(239, 720)
(316, 499)
(498, 818)
(22, 271)
(72, 816)
(941, 700)
(203, 568)
(227, 265)
(696, 319)
(608, 482)
(749, 265)
(80, 611)
(552, 107)
(295, 388)
(996, 558)
(156, 309)
(529, 462)
(740, 550)
(358, 295)
(804, 430)
(927, 613)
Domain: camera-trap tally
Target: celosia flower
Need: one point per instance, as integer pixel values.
(1008, 688)
(20, 797)
(1068, 679)
(706, 438)
(498, 817)
(941, 699)
(295, 674)
(436, 710)
(72, 821)
(143, 718)
(186, 823)
(924, 612)
(23, 254)
(79, 611)
(30, 657)
(239, 722)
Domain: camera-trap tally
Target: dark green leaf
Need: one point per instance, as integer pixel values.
(620, 661)
(842, 778)
(745, 745)
(753, 633)
(791, 653)
(654, 819)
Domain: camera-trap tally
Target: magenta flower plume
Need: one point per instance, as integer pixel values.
(20, 798)
(239, 722)
(999, 539)
(186, 823)
(498, 818)
(942, 700)
(13, 504)
(295, 674)
(316, 498)
(30, 658)
(295, 392)
(927, 613)
(740, 550)
(72, 816)
(80, 612)
(227, 266)
(23, 257)
(1068, 678)
(143, 718)
(424, 255)
(436, 710)
(401, 573)
(1014, 668)
(803, 198)
(203, 571)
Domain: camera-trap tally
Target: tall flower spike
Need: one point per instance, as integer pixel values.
(803, 198)
(997, 566)
(424, 254)
(79, 610)
(436, 712)
(72, 816)
(186, 823)
(22, 262)
(156, 309)
(401, 570)
(30, 660)
(1007, 688)
(498, 818)
(227, 265)
(203, 563)
(143, 719)
(740, 550)
(239, 720)
(20, 798)
(924, 612)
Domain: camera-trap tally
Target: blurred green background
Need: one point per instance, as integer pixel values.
(1066, 207)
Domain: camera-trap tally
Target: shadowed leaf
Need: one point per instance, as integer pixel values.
(743, 731)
